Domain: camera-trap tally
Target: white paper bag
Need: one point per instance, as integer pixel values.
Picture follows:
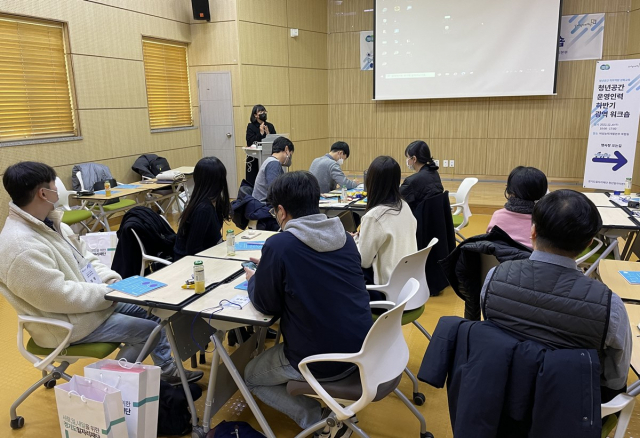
(102, 245)
(88, 408)
(140, 388)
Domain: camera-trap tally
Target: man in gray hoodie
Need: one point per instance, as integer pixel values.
(311, 277)
(328, 168)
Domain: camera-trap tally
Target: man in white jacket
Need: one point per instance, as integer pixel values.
(46, 271)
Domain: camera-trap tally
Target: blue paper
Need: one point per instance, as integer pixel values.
(136, 285)
(633, 277)
(102, 192)
(242, 286)
(128, 186)
(249, 246)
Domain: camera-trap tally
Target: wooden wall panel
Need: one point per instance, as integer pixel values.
(470, 155)
(616, 30)
(308, 50)
(263, 44)
(352, 121)
(344, 50)
(309, 122)
(403, 120)
(213, 44)
(306, 151)
(636, 165)
(350, 16)
(520, 119)
(571, 118)
(575, 79)
(633, 46)
(635, 4)
(177, 10)
(571, 7)
(267, 12)
(363, 151)
(307, 15)
(308, 86)
(240, 122)
(505, 154)
(568, 158)
(265, 85)
(108, 83)
(459, 119)
(350, 86)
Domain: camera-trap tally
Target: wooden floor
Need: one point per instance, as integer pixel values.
(388, 418)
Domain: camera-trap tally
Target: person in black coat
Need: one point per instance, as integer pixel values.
(425, 183)
(208, 208)
(257, 129)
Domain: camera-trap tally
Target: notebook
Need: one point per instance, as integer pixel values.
(633, 277)
(136, 285)
(242, 286)
(249, 246)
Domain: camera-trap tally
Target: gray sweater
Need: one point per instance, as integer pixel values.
(269, 171)
(328, 172)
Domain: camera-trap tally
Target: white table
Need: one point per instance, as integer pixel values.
(220, 251)
(599, 199)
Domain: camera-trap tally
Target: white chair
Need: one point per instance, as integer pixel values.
(411, 266)
(381, 360)
(44, 359)
(69, 215)
(624, 404)
(147, 258)
(462, 212)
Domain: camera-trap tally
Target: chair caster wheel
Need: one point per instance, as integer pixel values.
(426, 435)
(49, 384)
(418, 398)
(18, 423)
(197, 432)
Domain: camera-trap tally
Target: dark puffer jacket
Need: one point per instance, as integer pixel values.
(463, 266)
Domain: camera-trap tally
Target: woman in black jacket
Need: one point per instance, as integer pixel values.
(425, 183)
(257, 129)
(208, 208)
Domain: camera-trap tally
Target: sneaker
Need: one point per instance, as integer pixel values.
(173, 378)
(342, 432)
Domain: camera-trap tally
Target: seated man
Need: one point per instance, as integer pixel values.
(310, 276)
(327, 169)
(281, 154)
(547, 299)
(47, 272)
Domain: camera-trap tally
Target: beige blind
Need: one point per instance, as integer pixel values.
(35, 97)
(167, 77)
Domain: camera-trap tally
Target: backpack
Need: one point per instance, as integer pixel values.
(173, 412)
(159, 165)
(227, 429)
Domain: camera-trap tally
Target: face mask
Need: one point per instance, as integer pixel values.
(340, 162)
(263, 117)
(410, 166)
(47, 199)
(287, 161)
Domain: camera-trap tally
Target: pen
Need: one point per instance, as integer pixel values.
(188, 286)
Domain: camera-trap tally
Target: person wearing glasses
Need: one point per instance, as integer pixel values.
(257, 129)
(281, 156)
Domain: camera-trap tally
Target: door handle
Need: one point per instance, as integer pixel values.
(228, 134)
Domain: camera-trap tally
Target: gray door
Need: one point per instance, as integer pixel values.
(216, 122)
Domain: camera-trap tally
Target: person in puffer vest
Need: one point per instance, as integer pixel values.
(548, 299)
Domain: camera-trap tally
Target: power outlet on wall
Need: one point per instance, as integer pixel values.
(437, 162)
(445, 163)
(451, 163)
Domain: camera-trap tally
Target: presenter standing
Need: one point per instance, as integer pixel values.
(257, 129)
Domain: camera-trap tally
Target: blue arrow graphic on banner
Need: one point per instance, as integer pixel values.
(619, 160)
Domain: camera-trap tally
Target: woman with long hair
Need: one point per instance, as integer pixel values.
(208, 208)
(425, 182)
(257, 129)
(388, 229)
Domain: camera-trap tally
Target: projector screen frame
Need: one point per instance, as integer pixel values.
(375, 63)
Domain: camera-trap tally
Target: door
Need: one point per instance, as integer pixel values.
(216, 122)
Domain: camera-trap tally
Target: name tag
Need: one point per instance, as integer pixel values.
(90, 275)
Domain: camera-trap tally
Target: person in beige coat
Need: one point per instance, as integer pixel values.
(46, 271)
(388, 229)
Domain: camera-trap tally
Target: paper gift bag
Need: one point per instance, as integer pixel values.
(140, 388)
(102, 245)
(88, 408)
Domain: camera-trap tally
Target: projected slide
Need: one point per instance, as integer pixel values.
(465, 48)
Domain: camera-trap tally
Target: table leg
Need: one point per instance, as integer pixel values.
(213, 374)
(237, 378)
(183, 378)
(152, 337)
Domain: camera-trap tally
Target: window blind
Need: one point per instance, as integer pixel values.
(167, 79)
(35, 95)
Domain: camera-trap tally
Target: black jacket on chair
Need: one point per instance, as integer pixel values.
(463, 270)
(434, 220)
(422, 185)
(150, 165)
(503, 386)
(247, 208)
(155, 233)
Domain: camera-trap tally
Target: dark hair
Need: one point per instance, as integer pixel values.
(280, 143)
(256, 108)
(421, 151)
(298, 192)
(566, 220)
(526, 183)
(210, 185)
(22, 180)
(340, 146)
(383, 183)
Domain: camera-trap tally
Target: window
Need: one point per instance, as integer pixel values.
(167, 77)
(35, 93)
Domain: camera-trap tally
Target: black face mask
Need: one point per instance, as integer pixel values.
(263, 117)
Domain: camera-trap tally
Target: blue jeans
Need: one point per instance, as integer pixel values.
(130, 325)
(267, 376)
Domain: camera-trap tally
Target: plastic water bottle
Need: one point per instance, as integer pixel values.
(231, 243)
(343, 195)
(198, 276)
(627, 186)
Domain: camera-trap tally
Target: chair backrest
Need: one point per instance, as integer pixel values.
(63, 194)
(142, 250)
(384, 353)
(79, 176)
(411, 266)
(487, 262)
(462, 197)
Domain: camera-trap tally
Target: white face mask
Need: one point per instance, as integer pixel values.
(47, 199)
(410, 166)
(340, 162)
